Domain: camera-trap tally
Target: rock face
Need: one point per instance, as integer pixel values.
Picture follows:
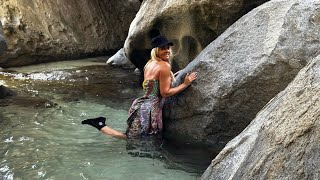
(191, 25)
(283, 141)
(39, 31)
(3, 43)
(238, 73)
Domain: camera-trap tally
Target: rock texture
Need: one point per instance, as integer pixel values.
(283, 141)
(238, 73)
(3, 43)
(191, 25)
(42, 30)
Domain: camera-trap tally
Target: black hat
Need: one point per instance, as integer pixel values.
(160, 41)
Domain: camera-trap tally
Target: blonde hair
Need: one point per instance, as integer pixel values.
(155, 57)
(154, 54)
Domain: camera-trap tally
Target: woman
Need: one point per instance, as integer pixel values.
(145, 114)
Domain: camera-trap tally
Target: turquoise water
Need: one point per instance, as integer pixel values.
(42, 137)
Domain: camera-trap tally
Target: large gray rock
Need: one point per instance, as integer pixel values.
(191, 25)
(238, 73)
(283, 141)
(40, 31)
(3, 43)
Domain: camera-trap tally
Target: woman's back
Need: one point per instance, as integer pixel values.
(152, 70)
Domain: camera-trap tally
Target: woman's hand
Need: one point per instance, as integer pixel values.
(190, 77)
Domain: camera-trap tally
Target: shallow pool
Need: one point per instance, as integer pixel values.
(41, 135)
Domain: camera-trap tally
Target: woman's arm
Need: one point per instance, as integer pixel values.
(165, 80)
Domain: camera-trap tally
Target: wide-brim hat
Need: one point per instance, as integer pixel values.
(160, 41)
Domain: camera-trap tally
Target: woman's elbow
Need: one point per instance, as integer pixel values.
(164, 95)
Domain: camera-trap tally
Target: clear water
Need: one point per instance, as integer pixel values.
(41, 136)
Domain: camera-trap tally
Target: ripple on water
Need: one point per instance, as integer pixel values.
(5, 172)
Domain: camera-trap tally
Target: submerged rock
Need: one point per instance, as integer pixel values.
(251, 62)
(39, 31)
(283, 141)
(4, 92)
(191, 25)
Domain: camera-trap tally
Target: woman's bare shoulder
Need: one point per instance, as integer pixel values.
(164, 65)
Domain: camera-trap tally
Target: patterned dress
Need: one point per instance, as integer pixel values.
(145, 114)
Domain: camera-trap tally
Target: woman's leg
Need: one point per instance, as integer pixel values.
(114, 133)
(100, 124)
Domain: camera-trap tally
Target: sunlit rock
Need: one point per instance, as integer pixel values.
(251, 62)
(283, 141)
(191, 25)
(40, 31)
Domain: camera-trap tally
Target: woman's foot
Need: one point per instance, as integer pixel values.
(98, 123)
